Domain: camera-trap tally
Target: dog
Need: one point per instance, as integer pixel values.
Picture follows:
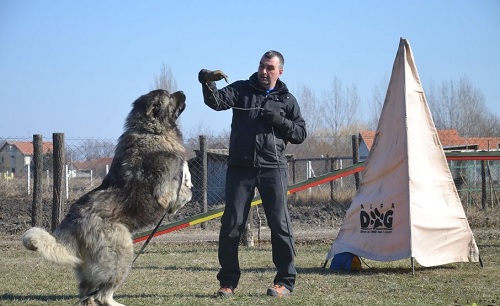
(148, 177)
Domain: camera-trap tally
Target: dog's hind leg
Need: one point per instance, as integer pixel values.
(90, 301)
(85, 289)
(108, 301)
(105, 293)
(113, 262)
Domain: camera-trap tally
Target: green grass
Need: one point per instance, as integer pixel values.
(185, 274)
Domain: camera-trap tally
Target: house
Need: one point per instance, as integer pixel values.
(462, 172)
(16, 156)
(216, 174)
(450, 140)
(97, 167)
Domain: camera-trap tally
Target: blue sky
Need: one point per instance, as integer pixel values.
(76, 66)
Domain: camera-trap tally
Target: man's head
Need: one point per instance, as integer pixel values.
(270, 69)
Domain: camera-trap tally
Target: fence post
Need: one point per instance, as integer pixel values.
(204, 175)
(483, 185)
(332, 161)
(66, 180)
(36, 208)
(58, 139)
(355, 157)
(48, 181)
(29, 178)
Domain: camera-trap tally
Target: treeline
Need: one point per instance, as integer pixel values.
(336, 114)
(454, 105)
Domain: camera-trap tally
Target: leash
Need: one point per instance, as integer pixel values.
(221, 102)
(151, 235)
(287, 216)
(88, 296)
(139, 253)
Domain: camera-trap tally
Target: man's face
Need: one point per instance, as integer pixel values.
(269, 72)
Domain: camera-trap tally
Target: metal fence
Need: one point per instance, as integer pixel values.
(88, 160)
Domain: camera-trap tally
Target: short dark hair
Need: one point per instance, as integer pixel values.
(272, 53)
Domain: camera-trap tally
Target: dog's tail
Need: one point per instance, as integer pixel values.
(38, 239)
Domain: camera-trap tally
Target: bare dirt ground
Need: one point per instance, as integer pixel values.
(310, 222)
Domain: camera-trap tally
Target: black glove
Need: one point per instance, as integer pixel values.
(211, 76)
(272, 117)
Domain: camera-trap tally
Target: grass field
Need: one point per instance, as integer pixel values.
(175, 273)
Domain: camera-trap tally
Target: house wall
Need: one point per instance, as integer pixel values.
(216, 173)
(13, 161)
(5, 161)
(363, 151)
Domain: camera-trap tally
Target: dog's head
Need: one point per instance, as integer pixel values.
(156, 111)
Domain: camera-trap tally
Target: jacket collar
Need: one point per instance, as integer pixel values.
(254, 83)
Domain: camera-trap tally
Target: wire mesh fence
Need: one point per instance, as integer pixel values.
(88, 160)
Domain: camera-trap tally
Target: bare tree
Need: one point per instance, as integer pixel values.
(461, 106)
(91, 149)
(490, 125)
(309, 107)
(165, 80)
(339, 110)
(376, 103)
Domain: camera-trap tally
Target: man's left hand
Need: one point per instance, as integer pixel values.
(272, 117)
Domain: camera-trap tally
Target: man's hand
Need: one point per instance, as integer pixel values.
(211, 76)
(272, 117)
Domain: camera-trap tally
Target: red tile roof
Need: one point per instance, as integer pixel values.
(26, 147)
(448, 138)
(368, 137)
(93, 164)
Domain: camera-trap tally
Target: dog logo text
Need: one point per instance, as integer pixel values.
(376, 218)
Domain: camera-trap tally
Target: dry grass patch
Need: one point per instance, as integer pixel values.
(184, 274)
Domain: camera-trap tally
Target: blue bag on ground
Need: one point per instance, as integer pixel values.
(345, 262)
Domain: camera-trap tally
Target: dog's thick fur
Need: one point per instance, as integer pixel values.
(148, 177)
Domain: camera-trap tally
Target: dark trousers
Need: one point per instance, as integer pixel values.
(240, 187)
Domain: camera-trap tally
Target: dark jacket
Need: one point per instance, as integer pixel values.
(252, 142)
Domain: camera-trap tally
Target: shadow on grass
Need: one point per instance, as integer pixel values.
(175, 268)
(165, 296)
(401, 270)
(159, 250)
(317, 270)
(480, 246)
(198, 269)
(310, 270)
(377, 270)
(30, 297)
(74, 299)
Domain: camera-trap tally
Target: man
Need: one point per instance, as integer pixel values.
(266, 116)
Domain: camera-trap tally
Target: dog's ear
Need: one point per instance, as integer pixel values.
(180, 99)
(179, 109)
(150, 107)
(154, 106)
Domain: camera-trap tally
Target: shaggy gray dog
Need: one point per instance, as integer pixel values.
(148, 177)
